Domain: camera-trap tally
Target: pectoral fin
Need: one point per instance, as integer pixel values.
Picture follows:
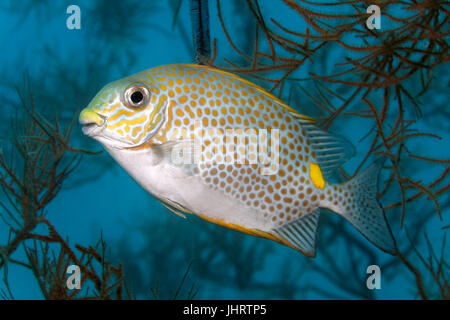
(182, 154)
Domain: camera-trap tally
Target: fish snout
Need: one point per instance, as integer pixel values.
(91, 121)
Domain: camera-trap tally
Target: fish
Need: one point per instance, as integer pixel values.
(209, 143)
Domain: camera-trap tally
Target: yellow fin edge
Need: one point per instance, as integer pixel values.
(250, 231)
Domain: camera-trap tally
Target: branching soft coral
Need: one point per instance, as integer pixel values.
(31, 176)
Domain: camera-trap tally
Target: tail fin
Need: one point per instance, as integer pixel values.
(365, 214)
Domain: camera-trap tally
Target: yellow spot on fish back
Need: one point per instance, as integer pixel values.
(316, 175)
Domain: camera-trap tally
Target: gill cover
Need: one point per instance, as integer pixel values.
(131, 108)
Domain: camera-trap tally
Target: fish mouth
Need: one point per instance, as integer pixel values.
(91, 121)
(90, 128)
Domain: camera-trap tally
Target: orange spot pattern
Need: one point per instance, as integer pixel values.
(204, 101)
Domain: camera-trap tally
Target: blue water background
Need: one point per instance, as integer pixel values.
(36, 40)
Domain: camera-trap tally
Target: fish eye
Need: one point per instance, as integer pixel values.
(136, 96)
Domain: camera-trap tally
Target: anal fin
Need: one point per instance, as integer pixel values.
(300, 234)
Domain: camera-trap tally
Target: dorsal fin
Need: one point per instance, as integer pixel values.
(301, 234)
(331, 150)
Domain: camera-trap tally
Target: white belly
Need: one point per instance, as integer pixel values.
(166, 181)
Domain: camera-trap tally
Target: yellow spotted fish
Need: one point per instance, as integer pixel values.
(207, 142)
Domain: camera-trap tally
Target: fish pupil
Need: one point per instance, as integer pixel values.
(137, 97)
